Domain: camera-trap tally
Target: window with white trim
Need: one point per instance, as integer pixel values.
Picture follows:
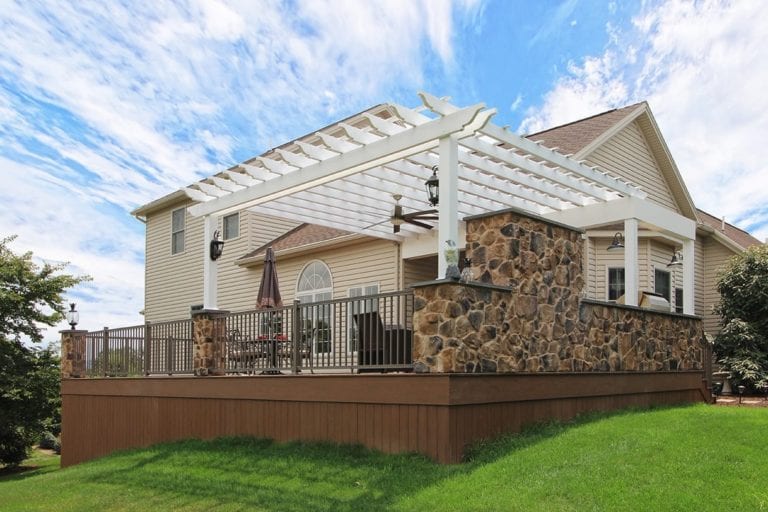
(662, 284)
(362, 305)
(178, 223)
(231, 226)
(314, 285)
(615, 283)
(678, 300)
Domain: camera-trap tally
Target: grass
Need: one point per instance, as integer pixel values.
(39, 462)
(688, 458)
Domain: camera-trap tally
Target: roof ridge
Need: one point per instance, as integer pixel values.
(599, 114)
(734, 226)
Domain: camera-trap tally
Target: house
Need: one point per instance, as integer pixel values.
(327, 258)
(537, 332)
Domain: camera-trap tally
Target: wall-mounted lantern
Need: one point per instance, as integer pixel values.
(433, 188)
(617, 244)
(217, 246)
(677, 260)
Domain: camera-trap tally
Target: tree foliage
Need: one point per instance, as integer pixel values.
(30, 296)
(742, 345)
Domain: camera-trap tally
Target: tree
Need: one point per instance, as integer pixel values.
(30, 296)
(742, 345)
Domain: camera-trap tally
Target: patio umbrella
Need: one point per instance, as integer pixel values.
(269, 290)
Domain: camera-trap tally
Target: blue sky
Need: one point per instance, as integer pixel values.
(105, 106)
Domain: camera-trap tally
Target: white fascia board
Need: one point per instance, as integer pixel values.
(618, 210)
(417, 139)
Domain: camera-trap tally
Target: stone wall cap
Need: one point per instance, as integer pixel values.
(212, 312)
(524, 214)
(596, 302)
(469, 284)
(74, 331)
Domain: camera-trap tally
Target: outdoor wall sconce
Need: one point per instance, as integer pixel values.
(217, 246)
(433, 188)
(73, 317)
(617, 243)
(677, 260)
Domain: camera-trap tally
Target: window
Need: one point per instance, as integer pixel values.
(615, 283)
(662, 285)
(315, 285)
(678, 300)
(178, 220)
(232, 226)
(360, 306)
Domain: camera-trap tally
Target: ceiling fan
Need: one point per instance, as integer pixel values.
(398, 217)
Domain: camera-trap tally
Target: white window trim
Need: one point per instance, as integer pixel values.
(349, 312)
(606, 293)
(183, 230)
(314, 292)
(224, 231)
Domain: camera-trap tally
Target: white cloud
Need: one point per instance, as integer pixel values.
(703, 68)
(104, 107)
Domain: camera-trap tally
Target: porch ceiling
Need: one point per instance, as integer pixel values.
(344, 175)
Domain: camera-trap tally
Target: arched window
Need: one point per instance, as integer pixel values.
(315, 284)
(315, 277)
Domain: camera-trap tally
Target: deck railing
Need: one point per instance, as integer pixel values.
(360, 334)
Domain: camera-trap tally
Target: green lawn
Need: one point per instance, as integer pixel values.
(689, 458)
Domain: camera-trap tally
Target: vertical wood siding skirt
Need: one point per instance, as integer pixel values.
(435, 415)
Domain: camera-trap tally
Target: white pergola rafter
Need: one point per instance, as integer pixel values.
(345, 175)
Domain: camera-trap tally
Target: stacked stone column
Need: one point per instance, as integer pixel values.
(209, 327)
(72, 354)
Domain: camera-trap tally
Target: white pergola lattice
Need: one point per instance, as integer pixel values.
(345, 175)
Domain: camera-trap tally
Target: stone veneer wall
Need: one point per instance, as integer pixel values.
(525, 313)
(72, 353)
(209, 332)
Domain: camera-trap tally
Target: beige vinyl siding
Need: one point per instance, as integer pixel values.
(419, 269)
(601, 260)
(699, 275)
(238, 286)
(370, 261)
(173, 282)
(627, 155)
(716, 255)
(660, 256)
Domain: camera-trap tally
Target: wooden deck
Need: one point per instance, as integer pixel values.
(437, 415)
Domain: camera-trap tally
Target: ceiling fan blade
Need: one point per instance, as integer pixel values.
(417, 223)
(421, 213)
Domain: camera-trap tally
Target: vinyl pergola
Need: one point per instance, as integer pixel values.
(344, 177)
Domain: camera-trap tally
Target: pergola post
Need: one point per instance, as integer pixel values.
(688, 277)
(631, 272)
(210, 274)
(448, 223)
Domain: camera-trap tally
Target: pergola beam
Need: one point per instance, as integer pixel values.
(397, 146)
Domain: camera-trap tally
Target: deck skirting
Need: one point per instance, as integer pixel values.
(438, 415)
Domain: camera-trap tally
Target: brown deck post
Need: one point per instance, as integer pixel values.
(209, 332)
(72, 354)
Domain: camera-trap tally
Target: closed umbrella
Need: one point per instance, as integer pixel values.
(269, 289)
(269, 298)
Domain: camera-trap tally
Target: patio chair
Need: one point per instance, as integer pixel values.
(380, 347)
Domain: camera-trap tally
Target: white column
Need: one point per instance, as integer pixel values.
(448, 223)
(210, 284)
(631, 273)
(689, 265)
